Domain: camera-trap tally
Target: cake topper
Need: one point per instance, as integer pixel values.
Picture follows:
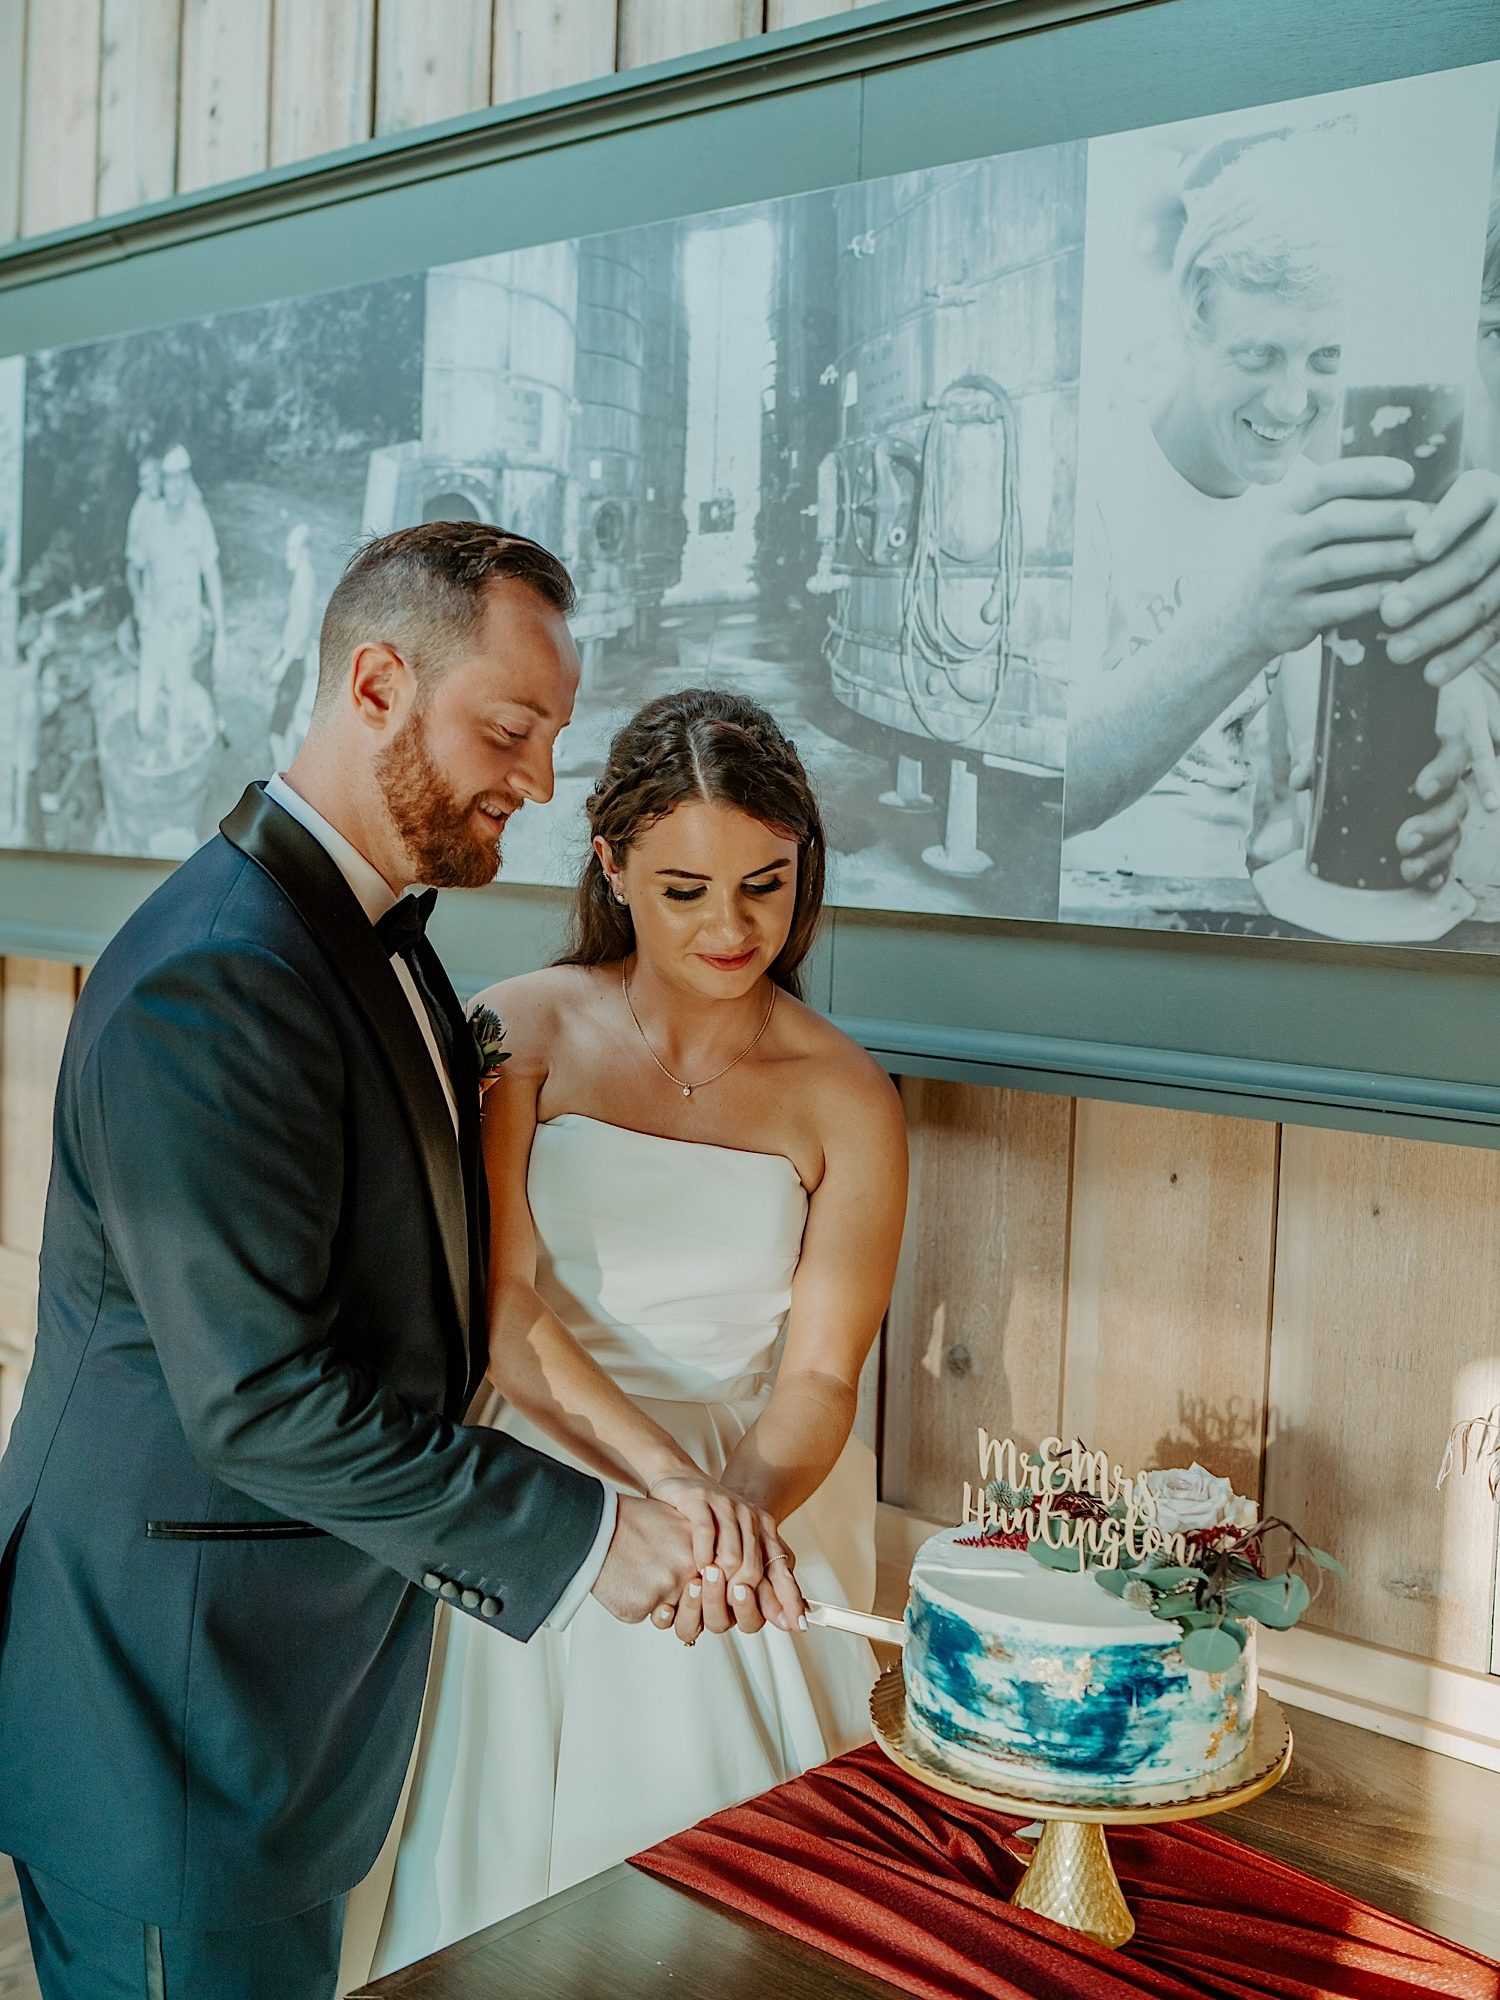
(1179, 1544)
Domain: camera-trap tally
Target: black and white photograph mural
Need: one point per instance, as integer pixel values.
(14, 770)
(1279, 348)
(189, 497)
(824, 454)
(1060, 504)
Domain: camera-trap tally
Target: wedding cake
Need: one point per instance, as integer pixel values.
(1091, 1635)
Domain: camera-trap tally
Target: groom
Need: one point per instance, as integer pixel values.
(239, 1480)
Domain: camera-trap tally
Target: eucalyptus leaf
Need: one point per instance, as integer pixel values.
(1171, 1575)
(1275, 1601)
(1212, 1649)
(1112, 1580)
(1325, 1561)
(1051, 1558)
(1172, 1603)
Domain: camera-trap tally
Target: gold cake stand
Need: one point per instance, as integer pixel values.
(1071, 1878)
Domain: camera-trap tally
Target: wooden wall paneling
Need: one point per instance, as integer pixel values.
(12, 122)
(224, 104)
(429, 65)
(1169, 1287)
(654, 30)
(139, 61)
(1385, 1334)
(36, 1003)
(791, 13)
(545, 45)
(322, 77)
(974, 1334)
(60, 140)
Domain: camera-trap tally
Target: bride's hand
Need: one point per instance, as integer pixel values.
(746, 1575)
(725, 1527)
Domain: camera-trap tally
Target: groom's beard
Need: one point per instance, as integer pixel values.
(441, 833)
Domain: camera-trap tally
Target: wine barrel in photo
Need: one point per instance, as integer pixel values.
(1377, 718)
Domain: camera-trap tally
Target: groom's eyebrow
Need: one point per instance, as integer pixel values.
(683, 875)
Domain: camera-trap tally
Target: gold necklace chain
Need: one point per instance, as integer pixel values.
(687, 1089)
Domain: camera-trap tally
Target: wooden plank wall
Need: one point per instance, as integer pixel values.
(105, 104)
(1305, 1311)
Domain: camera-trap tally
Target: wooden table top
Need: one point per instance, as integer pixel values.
(1409, 1831)
(633, 1937)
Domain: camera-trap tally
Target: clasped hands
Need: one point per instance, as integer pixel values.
(745, 1577)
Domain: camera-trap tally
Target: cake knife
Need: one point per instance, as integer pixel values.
(839, 1618)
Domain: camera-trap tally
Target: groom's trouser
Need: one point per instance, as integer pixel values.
(84, 1952)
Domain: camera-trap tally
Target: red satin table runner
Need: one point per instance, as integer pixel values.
(875, 1868)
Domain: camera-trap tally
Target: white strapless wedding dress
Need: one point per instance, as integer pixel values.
(539, 1765)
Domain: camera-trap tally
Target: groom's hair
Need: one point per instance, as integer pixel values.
(422, 592)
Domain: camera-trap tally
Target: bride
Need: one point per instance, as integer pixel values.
(697, 1187)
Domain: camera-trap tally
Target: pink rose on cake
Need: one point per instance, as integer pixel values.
(1190, 1498)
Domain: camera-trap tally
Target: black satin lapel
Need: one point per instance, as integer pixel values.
(466, 1094)
(309, 878)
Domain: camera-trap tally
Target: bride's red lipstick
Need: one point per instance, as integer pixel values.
(728, 964)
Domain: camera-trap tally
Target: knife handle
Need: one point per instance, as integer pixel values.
(839, 1618)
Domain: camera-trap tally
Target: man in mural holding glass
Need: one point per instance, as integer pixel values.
(1216, 552)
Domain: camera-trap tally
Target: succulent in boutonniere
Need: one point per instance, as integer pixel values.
(488, 1031)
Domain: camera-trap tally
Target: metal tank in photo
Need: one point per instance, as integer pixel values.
(629, 436)
(945, 510)
(497, 400)
(663, 524)
(800, 413)
(606, 451)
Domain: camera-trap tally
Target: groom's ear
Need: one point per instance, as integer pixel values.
(380, 685)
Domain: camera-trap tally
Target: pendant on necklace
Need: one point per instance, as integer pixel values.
(687, 1090)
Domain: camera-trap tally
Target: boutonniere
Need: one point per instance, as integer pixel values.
(488, 1031)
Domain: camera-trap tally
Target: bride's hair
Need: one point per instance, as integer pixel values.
(698, 744)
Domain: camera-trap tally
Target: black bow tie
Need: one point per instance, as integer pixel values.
(404, 924)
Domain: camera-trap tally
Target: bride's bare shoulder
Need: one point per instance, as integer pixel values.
(848, 1091)
(545, 1002)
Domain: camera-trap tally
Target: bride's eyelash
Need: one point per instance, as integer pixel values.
(751, 889)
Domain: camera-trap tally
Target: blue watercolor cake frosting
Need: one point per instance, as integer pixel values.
(1036, 1679)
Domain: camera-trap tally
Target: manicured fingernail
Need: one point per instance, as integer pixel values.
(801, 1624)
(695, 1590)
(711, 1574)
(740, 1593)
(1396, 609)
(663, 1615)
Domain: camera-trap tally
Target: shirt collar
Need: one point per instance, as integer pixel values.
(373, 893)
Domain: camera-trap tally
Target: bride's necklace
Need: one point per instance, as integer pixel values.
(687, 1089)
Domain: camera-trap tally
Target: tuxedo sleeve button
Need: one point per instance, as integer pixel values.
(431, 1580)
(449, 1590)
(490, 1608)
(469, 1599)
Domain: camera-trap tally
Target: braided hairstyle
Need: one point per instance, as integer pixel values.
(698, 744)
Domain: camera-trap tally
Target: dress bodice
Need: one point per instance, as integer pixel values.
(669, 1260)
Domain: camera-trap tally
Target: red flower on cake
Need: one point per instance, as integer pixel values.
(992, 1538)
(1080, 1506)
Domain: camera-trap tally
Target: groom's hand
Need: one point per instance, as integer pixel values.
(649, 1561)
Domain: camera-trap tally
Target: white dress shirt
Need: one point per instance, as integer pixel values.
(375, 896)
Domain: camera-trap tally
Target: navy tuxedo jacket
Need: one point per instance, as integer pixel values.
(238, 1478)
